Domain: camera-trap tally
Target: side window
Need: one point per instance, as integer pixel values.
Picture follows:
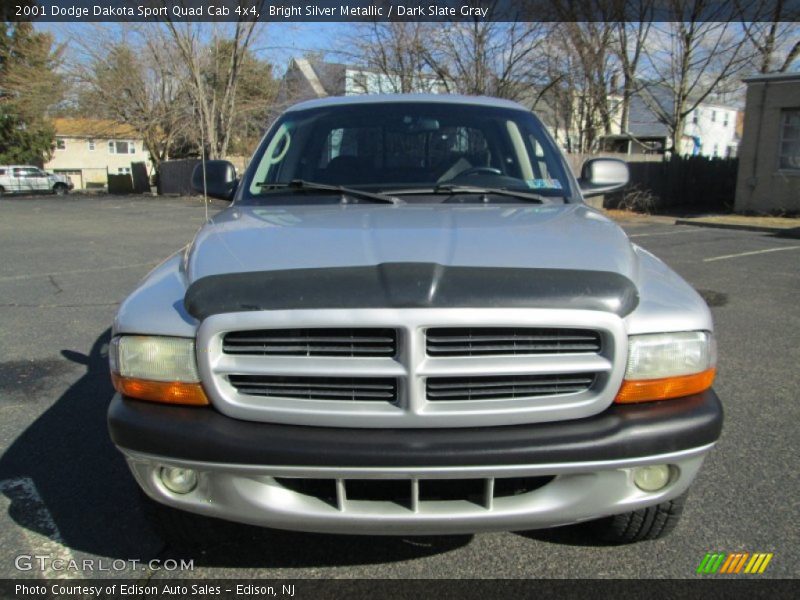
(405, 150)
(360, 142)
(331, 148)
(540, 166)
(789, 149)
(452, 143)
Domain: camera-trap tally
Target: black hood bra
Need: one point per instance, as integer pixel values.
(411, 285)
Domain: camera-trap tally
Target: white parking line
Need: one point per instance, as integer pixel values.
(46, 540)
(750, 253)
(692, 230)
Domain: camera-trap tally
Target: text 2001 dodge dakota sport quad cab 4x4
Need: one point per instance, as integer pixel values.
(408, 322)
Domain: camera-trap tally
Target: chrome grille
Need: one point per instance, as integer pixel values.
(362, 389)
(488, 341)
(312, 342)
(506, 387)
(247, 375)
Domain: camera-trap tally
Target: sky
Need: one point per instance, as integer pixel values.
(278, 42)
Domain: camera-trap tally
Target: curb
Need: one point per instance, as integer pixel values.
(791, 232)
(643, 219)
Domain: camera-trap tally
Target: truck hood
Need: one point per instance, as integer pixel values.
(256, 239)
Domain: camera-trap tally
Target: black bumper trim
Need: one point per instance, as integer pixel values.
(205, 435)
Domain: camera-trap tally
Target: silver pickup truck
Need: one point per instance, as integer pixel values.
(409, 322)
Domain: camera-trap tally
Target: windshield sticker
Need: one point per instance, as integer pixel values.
(539, 184)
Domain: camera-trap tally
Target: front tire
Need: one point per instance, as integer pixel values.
(60, 189)
(648, 523)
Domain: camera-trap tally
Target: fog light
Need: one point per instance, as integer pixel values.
(652, 478)
(180, 481)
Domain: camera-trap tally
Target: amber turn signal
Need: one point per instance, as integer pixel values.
(649, 390)
(165, 392)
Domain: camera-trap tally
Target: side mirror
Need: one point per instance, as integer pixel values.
(220, 179)
(603, 175)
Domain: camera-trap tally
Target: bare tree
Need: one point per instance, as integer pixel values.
(133, 80)
(689, 59)
(590, 43)
(629, 45)
(773, 32)
(500, 59)
(395, 52)
(213, 70)
(556, 98)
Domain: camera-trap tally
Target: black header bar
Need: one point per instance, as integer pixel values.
(76, 11)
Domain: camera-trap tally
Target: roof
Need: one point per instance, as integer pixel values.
(98, 128)
(773, 77)
(643, 121)
(332, 76)
(407, 98)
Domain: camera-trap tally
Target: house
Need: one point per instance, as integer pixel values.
(88, 150)
(769, 157)
(709, 130)
(308, 78)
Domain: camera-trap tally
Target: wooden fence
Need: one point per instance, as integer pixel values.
(695, 183)
(175, 176)
(692, 183)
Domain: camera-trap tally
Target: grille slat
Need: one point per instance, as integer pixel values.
(488, 341)
(506, 387)
(435, 384)
(317, 388)
(413, 493)
(342, 342)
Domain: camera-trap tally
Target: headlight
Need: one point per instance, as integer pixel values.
(160, 369)
(668, 365)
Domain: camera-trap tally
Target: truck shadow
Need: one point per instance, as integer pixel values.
(64, 481)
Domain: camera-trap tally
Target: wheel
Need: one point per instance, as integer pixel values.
(644, 524)
(60, 189)
(184, 529)
(2, 191)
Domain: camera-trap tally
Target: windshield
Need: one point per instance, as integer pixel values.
(402, 147)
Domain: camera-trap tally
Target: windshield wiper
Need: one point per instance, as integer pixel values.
(451, 189)
(300, 184)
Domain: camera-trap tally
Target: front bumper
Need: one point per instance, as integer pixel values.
(275, 475)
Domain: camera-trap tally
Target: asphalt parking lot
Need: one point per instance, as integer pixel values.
(65, 264)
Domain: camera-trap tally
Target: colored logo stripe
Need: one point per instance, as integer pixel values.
(711, 562)
(720, 562)
(758, 563)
